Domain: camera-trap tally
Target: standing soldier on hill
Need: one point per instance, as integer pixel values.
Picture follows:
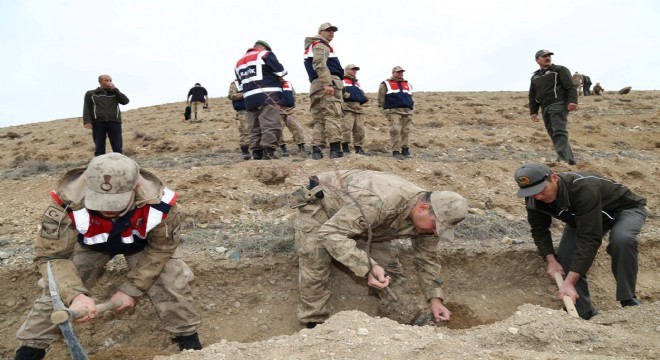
(577, 81)
(553, 90)
(352, 123)
(101, 114)
(395, 97)
(325, 74)
(259, 74)
(289, 120)
(586, 85)
(197, 96)
(236, 97)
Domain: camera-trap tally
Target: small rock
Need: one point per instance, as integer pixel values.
(363, 331)
(513, 330)
(221, 249)
(4, 255)
(506, 240)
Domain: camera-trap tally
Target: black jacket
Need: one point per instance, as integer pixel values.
(103, 105)
(586, 201)
(549, 86)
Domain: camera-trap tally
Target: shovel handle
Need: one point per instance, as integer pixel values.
(568, 302)
(62, 316)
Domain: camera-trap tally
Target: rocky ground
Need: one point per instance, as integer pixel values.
(238, 238)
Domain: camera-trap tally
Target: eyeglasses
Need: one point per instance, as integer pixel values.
(547, 55)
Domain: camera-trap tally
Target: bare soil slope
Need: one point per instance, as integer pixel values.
(238, 238)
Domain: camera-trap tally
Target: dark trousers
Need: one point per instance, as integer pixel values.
(555, 118)
(113, 131)
(264, 127)
(622, 248)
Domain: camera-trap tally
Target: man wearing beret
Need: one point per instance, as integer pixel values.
(553, 91)
(590, 205)
(111, 208)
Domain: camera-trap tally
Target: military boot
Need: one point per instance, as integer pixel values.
(245, 151)
(397, 155)
(190, 342)
(269, 154)
(405, 152)
(301, 149)
(29, 353)
(285, 152)
(345, 149)
(335, 150)
(257, 154)
(317, 153)
(359, 150)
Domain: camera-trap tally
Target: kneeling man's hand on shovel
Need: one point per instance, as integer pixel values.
(81, 302)
(380, 281)
(127, 300)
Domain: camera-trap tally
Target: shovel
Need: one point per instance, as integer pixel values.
(568, 302)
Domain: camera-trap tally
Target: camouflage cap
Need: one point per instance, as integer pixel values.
(264, 44)
(450, 209)
(327, 26)
(351, 66)
(531, 179)
(111, 179)
(543, 52)
(397, 68)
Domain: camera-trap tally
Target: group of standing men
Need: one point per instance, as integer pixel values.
(336, 100)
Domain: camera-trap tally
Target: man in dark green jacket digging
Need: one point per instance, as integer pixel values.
(590, 205)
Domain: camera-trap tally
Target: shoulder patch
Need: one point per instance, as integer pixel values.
(54, 213)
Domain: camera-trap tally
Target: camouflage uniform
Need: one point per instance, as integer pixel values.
(400, 120)
(288, 119)
(352, 119)
(326, 109)
(241, 116)
(598, 89)
(330, 227)
(157, 270)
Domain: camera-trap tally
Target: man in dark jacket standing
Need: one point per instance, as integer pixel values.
(590, 205)
(197, 96)
(101, 114)
(553, 90)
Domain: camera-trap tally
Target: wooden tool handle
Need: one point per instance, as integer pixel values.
(62, 316)
(568, 302)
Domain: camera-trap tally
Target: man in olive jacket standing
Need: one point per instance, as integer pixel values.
(101, 114)
(553, 90)
(590, 205)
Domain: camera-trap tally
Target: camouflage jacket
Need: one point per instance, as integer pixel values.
(385, 202)
(58, 236)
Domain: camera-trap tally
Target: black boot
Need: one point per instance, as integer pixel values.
(345, 149)
(29, 353)
(257, 154)
(359, 150)
(285, 152)
(335, 150)
(397, 155)
(190, 342)
(269, 154)
(405, 152)
(301, 149)
(317, 153)
(245, 150)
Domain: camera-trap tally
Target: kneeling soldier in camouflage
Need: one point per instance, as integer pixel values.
(112, 207)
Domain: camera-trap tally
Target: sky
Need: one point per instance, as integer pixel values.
(52, 51)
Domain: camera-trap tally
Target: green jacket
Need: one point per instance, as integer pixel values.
(586, 201)
(103, 105)
(551, 85)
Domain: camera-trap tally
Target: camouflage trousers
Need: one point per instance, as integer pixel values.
(400, 126)
(326, 117)
(196, 108)
(242, 126)
(170, 294)
(352, 124)
(294, 126)
(315, 263)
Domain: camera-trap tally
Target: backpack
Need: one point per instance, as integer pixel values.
(187, 113)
